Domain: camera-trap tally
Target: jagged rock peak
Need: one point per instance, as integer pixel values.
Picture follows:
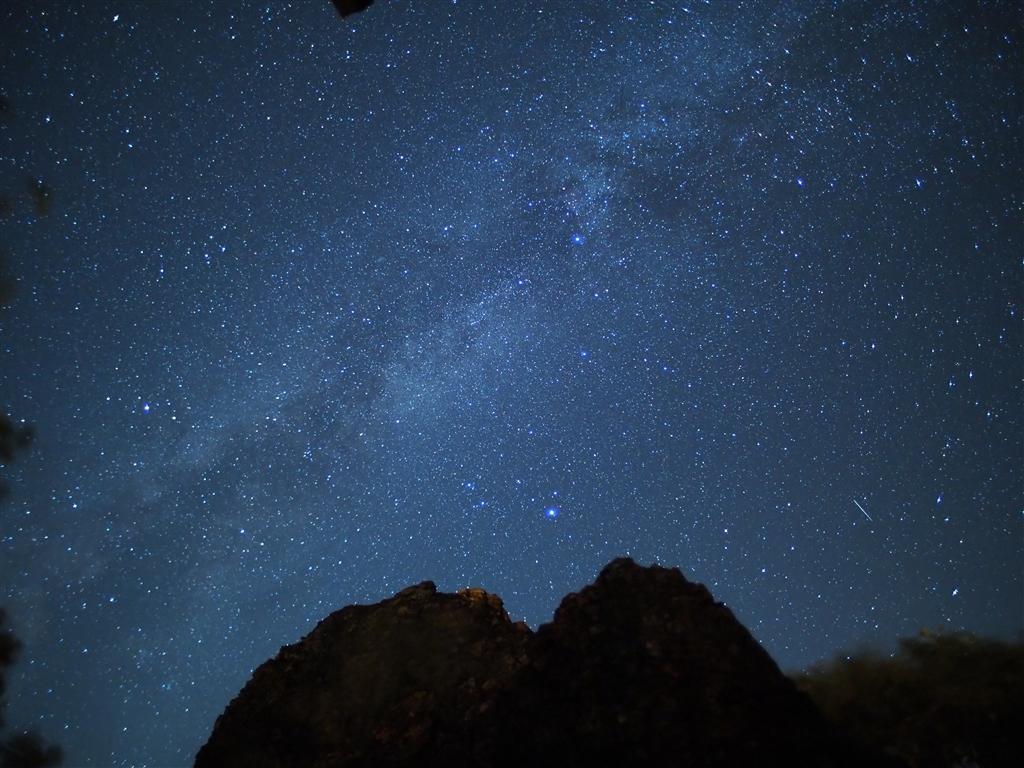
(374, 685)
(644, 668)
(641, 668)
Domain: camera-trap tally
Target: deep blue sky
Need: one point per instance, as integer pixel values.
(486, 296)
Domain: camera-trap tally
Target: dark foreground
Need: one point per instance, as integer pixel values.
(640, 668)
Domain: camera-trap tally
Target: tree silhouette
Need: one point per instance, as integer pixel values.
(943, 700)
(15, 437)
(26, 749)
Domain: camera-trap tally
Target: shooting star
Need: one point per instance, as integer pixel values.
(862, 510)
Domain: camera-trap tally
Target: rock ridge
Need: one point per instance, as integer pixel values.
(640, 668)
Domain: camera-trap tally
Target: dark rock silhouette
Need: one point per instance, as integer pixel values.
(642, 668)
(375, 685)
(348, 7)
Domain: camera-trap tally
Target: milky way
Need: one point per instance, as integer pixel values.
(325, 308)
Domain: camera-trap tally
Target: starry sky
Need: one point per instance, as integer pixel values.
(490, 295)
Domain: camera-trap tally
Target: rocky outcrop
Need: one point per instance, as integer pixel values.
(642, 668)
(396, 683)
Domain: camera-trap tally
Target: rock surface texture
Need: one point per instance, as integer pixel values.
(394, 683)
(642, 668)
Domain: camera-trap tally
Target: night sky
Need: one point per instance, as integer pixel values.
(490, 296)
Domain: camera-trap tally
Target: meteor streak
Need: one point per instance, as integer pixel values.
(862, 510)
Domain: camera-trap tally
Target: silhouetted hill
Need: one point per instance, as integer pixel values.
(640, 668)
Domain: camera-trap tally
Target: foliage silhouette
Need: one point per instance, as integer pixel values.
(942, 700)
(15, 437)
(27, 749)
